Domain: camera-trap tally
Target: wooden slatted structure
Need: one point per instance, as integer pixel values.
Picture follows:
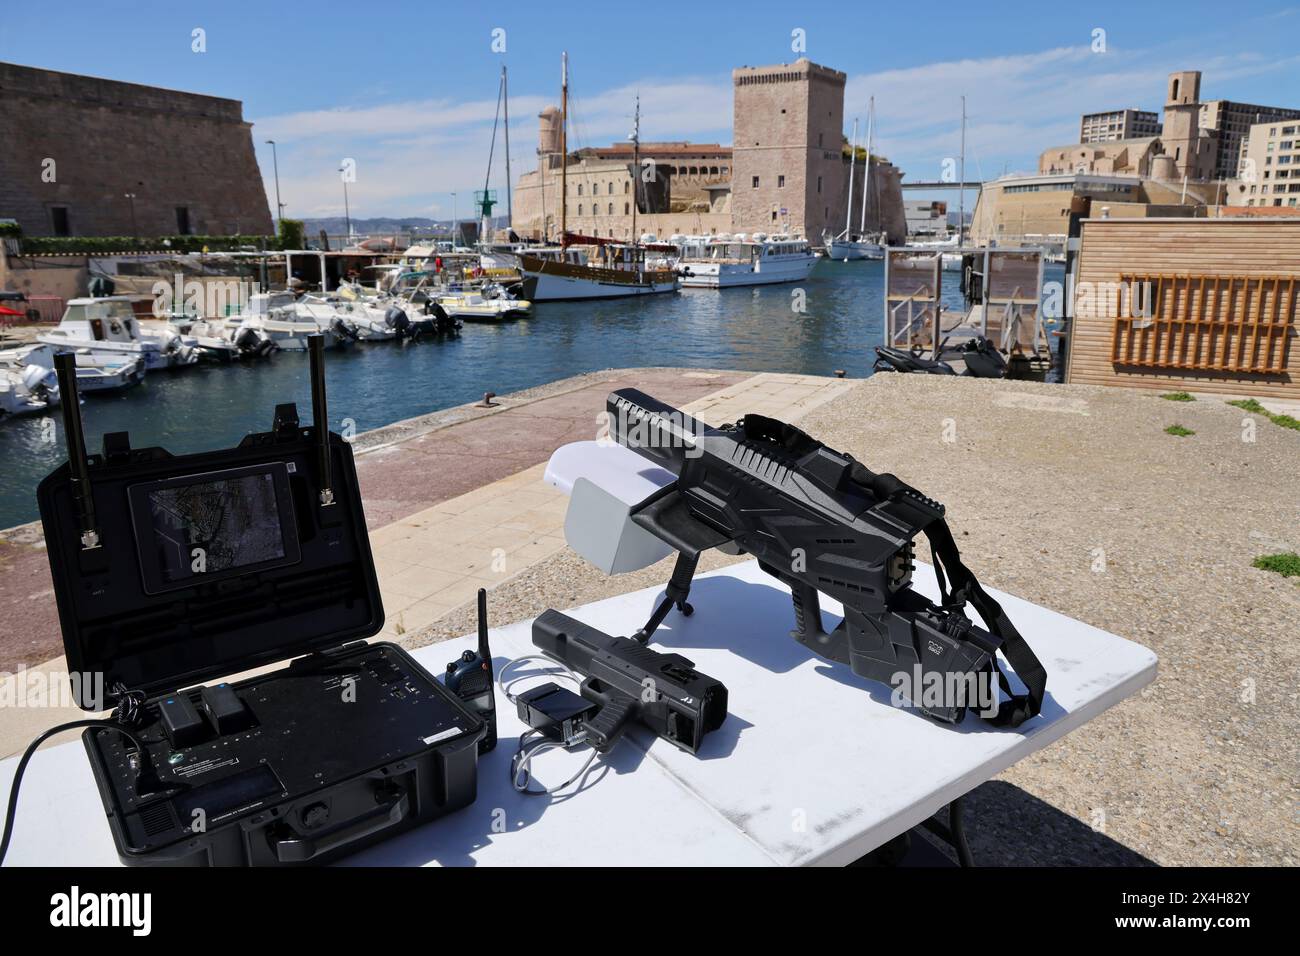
(1197, 304)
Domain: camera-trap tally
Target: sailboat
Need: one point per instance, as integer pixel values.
(847, 246)
(611, 270)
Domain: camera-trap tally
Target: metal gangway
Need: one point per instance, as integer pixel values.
(1001, 300)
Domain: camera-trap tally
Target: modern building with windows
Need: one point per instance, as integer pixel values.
(1269, 171)
(1118, 124)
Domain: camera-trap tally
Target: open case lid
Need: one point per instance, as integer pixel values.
(171, 571)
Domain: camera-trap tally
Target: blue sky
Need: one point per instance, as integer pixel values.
(408, 90)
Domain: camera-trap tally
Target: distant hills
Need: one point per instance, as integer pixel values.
(381, 225)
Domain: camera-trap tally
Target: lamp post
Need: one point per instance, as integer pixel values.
(135, 231)
(279, 206)
(347, 214)
(455, 221)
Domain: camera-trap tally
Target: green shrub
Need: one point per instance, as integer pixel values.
(293, 234)
(10, 230)
(1249, 405)
(91, 245)
(1286, 563)
(1179, 430)
(1254, 407)
(1179, 397)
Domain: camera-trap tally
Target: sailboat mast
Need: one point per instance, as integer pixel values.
(510, 199)
(866, 174)
(853, 162)
(961, 174)
(636, 163)
(564, 150)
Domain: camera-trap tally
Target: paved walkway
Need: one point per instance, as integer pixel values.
(436, 559)
(485, 518)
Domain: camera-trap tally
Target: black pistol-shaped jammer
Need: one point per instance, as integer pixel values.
(822, 523)
(630, 682)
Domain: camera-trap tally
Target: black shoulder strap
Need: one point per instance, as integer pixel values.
(1017, 708)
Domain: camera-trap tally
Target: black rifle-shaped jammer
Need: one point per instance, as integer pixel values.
(821, 522)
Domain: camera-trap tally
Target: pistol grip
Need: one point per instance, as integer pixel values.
(604, 729)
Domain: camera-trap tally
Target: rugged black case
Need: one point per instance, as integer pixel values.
(321, 607)
(368, 804)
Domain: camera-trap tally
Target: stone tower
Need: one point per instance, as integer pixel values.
(1181, 136)
(548, 138)
(787, 171)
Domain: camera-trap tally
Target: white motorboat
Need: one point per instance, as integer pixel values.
(109, 326)
(490, 303)
(194, 332)
(739, 260)
(274, 316)
(96, 371)
(359, 318)
(27, 391)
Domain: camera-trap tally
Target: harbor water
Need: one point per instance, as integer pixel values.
(206, 407)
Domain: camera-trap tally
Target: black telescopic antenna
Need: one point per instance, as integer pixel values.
(484, 652)
(320, 416)
(65, 367)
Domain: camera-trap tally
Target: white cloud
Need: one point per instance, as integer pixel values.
(410, 154)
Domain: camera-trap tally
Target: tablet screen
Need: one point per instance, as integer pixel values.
(214, 524)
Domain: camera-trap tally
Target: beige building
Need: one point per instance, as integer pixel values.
(1269, 172)
(1204, 140)
(1124, 157)
(1035, 210)
(786, 172)
(1118, 124)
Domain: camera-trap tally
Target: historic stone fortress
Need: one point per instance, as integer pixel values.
(84, 156)
(787, 171)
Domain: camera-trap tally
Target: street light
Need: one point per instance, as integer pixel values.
(455, 221)
(135, 232)
(347, 214)
(279, 206)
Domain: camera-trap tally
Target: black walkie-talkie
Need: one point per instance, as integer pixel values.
(469, 677)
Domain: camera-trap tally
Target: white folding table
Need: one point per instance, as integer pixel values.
(812, 766)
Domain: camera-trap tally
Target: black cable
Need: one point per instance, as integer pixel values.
(31, 749)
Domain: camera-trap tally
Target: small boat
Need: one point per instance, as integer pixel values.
(195, 333)
(27, 391)
(355, 317)
(274, 317)
(738, 260)
(109, 326)
(490, 303)
(96, 371)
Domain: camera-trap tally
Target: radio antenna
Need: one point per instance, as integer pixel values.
(320, 417)
(484, 652)
(65, 367)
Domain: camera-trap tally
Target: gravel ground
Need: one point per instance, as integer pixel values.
(1075, 498)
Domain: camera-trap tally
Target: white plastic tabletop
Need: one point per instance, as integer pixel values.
(812, 766)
